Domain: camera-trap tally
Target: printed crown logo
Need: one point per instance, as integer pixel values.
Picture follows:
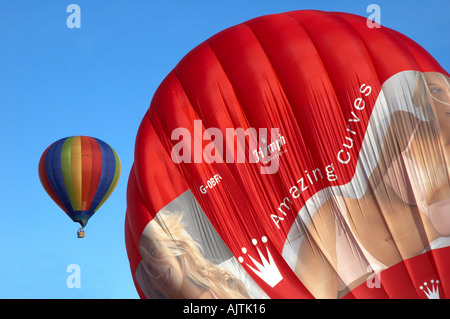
(268, 270)
(431, 292)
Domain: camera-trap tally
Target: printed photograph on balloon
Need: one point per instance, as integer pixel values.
(359, 203)
(384, 217)
(183, 257)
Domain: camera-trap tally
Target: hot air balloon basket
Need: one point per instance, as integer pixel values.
(80, 233)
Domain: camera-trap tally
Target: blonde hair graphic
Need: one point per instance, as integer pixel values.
(165, 239)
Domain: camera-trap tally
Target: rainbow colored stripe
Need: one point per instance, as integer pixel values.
(79, 173)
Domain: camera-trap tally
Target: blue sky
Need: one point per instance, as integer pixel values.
(98, 80)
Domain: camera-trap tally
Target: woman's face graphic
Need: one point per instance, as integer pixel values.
(438, 87)
(164, 267)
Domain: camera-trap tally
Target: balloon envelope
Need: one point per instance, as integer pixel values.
(79, 173)
(296, 155)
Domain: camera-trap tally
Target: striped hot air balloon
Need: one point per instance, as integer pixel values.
(79, 173)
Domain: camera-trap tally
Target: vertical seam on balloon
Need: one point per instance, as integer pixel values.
(320, 58)
(342, 17)
(105, 177)
(233, 86)
(86, 169)
(43, 175)
(76, 170)
(317, 51)
(151, 119)
(99, 193)
(95, 175)
(54, 173)
(67, 171)
(114, 181)
(280, 81)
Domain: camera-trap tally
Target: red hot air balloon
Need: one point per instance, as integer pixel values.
(79, 173)
(296, 155)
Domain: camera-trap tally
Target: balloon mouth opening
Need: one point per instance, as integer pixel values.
(81, 217)
(82, 223)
